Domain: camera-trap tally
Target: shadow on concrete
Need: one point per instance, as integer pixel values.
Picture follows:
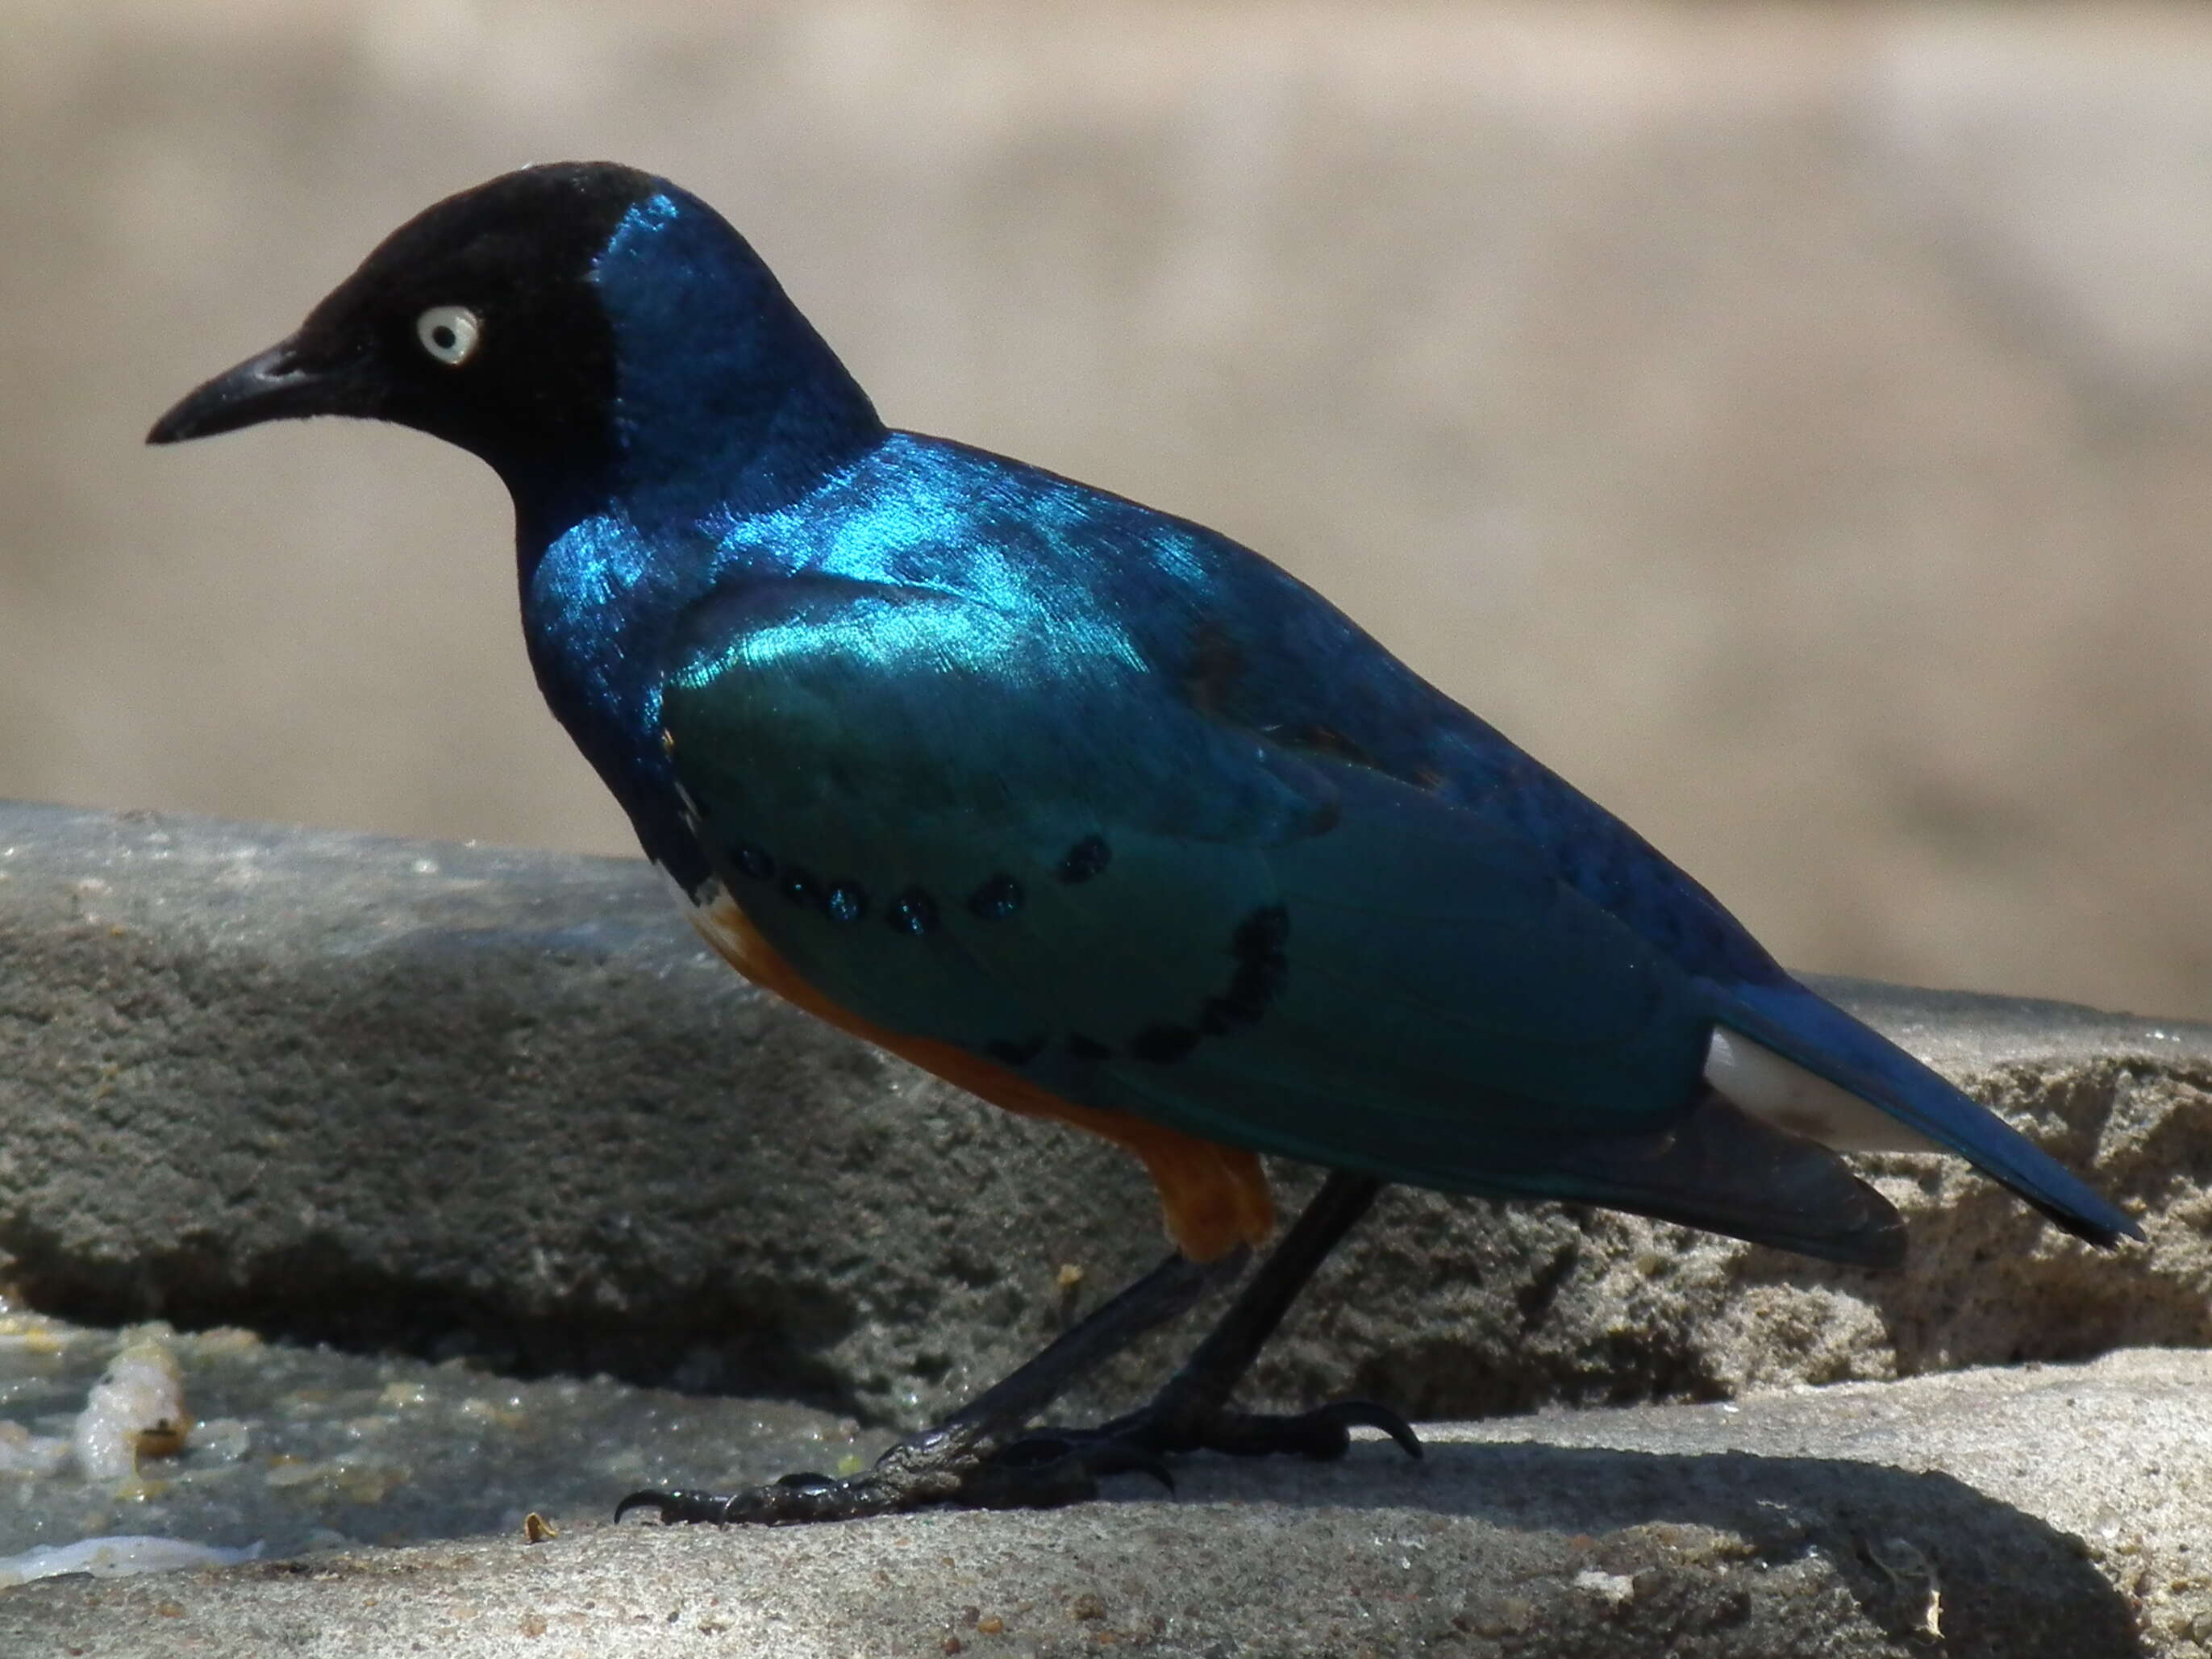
(1905, 1545)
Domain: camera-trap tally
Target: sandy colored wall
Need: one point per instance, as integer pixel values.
(1795, 425)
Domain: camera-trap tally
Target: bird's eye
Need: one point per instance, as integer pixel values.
(449, 333)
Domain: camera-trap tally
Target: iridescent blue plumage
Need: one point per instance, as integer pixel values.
(894, 665)
(1088, 809)
(726, 406)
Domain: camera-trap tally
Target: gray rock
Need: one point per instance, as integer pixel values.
(2039, 1512)
(331, 1084)
(459, 1096)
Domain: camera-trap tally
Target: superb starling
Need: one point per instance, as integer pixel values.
(1089, 809)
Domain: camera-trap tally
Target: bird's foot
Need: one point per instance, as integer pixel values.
(942, 1467)
(1170, 1425)
(983, 1458)
(1040, 1470)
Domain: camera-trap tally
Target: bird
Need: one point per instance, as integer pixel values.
(1091, 810)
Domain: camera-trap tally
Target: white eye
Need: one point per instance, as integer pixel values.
(449, 333)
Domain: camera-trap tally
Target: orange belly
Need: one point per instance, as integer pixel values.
(1214, 1197)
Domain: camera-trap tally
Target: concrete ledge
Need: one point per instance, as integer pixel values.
(2041, 1511)
(458, 1096)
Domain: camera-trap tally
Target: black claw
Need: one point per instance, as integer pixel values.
(1367, 1414)
(677, 1508)
(794, 1499)
(1315, 1435)
(1096, 1452)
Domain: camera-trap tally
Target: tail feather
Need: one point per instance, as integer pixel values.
(1828, 1042)
(1724, 1171)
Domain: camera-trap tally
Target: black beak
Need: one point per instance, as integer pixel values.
(272, 386)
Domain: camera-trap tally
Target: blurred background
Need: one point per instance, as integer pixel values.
(1793, 423)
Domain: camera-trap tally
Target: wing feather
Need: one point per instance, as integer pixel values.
(1279, 950)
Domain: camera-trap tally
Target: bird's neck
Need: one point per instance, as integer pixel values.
(722, 401)
(726, 402)
(726, 406)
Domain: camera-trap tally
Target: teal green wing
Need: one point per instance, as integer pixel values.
(1028, 842)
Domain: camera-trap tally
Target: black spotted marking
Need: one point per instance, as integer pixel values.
(845, 901)
(1260, 945)
(912, 911)
(1008, 1052)
(1262, 964)
(1084, 1047)
(1164, 1045)
(996, 899)
(752, 861)
(1087, 858)
(799, 886)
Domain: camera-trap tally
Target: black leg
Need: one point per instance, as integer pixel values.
(1218, 1364)
(1191, 1412)
(982, 1457)
(952, 1463)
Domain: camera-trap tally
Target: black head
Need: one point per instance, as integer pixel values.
(475, 321)
(560, 322)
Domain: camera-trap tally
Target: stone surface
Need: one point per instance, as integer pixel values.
(470, 1099)
(291, 1448)
(1792, 421)
(2007, 1514)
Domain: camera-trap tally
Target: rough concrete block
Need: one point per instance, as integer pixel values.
(462, 1097)
(2040, 1513)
